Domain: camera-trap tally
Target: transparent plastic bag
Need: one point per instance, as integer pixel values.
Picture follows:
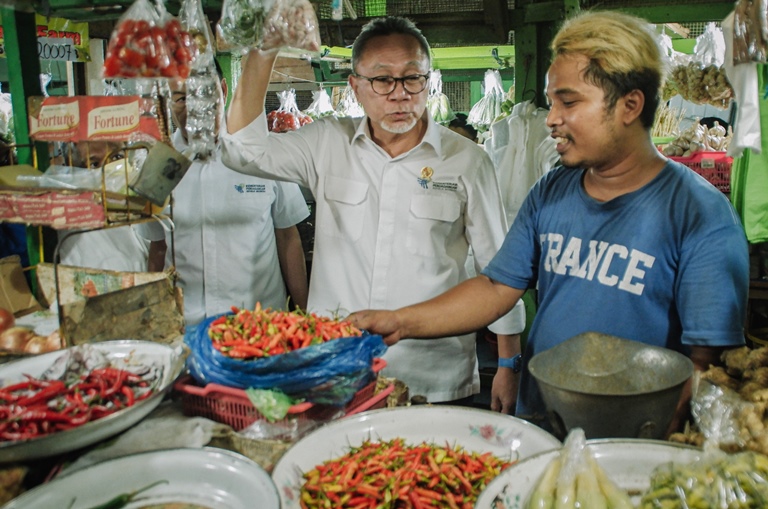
(438, 105)
(348, 106)
(750, 32)
(321, 105)
(242, 22)
(287, 117)
(575, 479)
(726, 475)
(291, 24)
(205, 98)
(144, 45)
(488, 108)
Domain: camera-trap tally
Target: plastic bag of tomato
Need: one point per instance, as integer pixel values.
(149, 44)
(288, 117)
(315, 358)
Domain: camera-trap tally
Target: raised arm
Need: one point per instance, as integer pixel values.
(251, 92)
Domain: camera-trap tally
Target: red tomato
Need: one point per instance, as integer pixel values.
(182, 55)
(6, 320)
(171, 70)
(141, 26)
(130, 57)
(112, 66)
(173, 28)
(183, 71)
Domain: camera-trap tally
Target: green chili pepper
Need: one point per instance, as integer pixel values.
(125, 498)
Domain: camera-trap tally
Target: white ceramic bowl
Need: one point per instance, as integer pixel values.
(480, 431)
(120, 353)
(628, 463)
(212, 478)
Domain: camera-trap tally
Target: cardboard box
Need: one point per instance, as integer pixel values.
(15, 295)
(98, 305)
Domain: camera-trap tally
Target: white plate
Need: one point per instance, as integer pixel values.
(209, 477)
(628, 463)
(120, 353)
(475, 430)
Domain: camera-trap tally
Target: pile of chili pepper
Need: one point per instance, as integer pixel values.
(392, 474)
(37, 407)
(249, 334)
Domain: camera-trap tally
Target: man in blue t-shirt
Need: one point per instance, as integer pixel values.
(617, 239)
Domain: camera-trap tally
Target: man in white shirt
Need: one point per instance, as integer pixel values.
(120, 248)
(399, 201)
(235, 237)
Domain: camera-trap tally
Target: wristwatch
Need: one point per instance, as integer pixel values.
(515, 362)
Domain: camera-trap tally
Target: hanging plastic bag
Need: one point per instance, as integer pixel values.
(348, 106)
(287, 117)
(438, 105)
(143, 45)
(488, 108)
(241, 24)
(750, 40)
(204, 93)
(327, 373)
(321, 105)
(291, 24)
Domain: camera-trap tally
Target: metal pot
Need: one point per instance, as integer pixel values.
(609, 386)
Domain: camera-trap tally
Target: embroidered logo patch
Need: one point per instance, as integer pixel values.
(426, 177)
(250, 188)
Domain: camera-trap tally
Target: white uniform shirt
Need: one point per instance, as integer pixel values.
(388, 234)
(224, 238)
(121, 249)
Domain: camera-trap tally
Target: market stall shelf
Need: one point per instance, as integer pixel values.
(122, 354)
(506, 437)
(209, 478)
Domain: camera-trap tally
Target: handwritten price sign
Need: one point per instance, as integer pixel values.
(56, 48)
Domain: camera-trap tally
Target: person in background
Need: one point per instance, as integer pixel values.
(399, 200)
(460, 125)
(120, 248)
(235, 237)
(619, 239)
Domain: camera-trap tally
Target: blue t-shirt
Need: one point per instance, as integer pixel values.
(667, 265)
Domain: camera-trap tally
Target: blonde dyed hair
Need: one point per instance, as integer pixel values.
(623, 54)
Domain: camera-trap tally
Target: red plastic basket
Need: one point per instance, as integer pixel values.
(713, 166)
(231, 406)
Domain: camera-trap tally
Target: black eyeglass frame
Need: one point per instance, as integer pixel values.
(378, 79)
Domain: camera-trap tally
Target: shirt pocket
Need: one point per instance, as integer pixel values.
(346, 206)
(430, 223)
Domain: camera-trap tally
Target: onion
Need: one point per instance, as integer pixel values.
(35, 344)
(6, 320)
(53, 341)
(15, 339)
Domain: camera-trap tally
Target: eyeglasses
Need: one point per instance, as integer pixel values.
(385, 85)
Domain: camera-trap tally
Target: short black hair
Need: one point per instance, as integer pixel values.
(460, 122)
(387, 25)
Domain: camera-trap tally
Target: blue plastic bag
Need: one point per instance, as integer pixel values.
(329, 373)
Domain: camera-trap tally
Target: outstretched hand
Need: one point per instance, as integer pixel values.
(384, 323)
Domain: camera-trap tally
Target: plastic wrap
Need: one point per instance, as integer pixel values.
(574, 479)
(327, 373)
(488, 108)
(438, 105)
